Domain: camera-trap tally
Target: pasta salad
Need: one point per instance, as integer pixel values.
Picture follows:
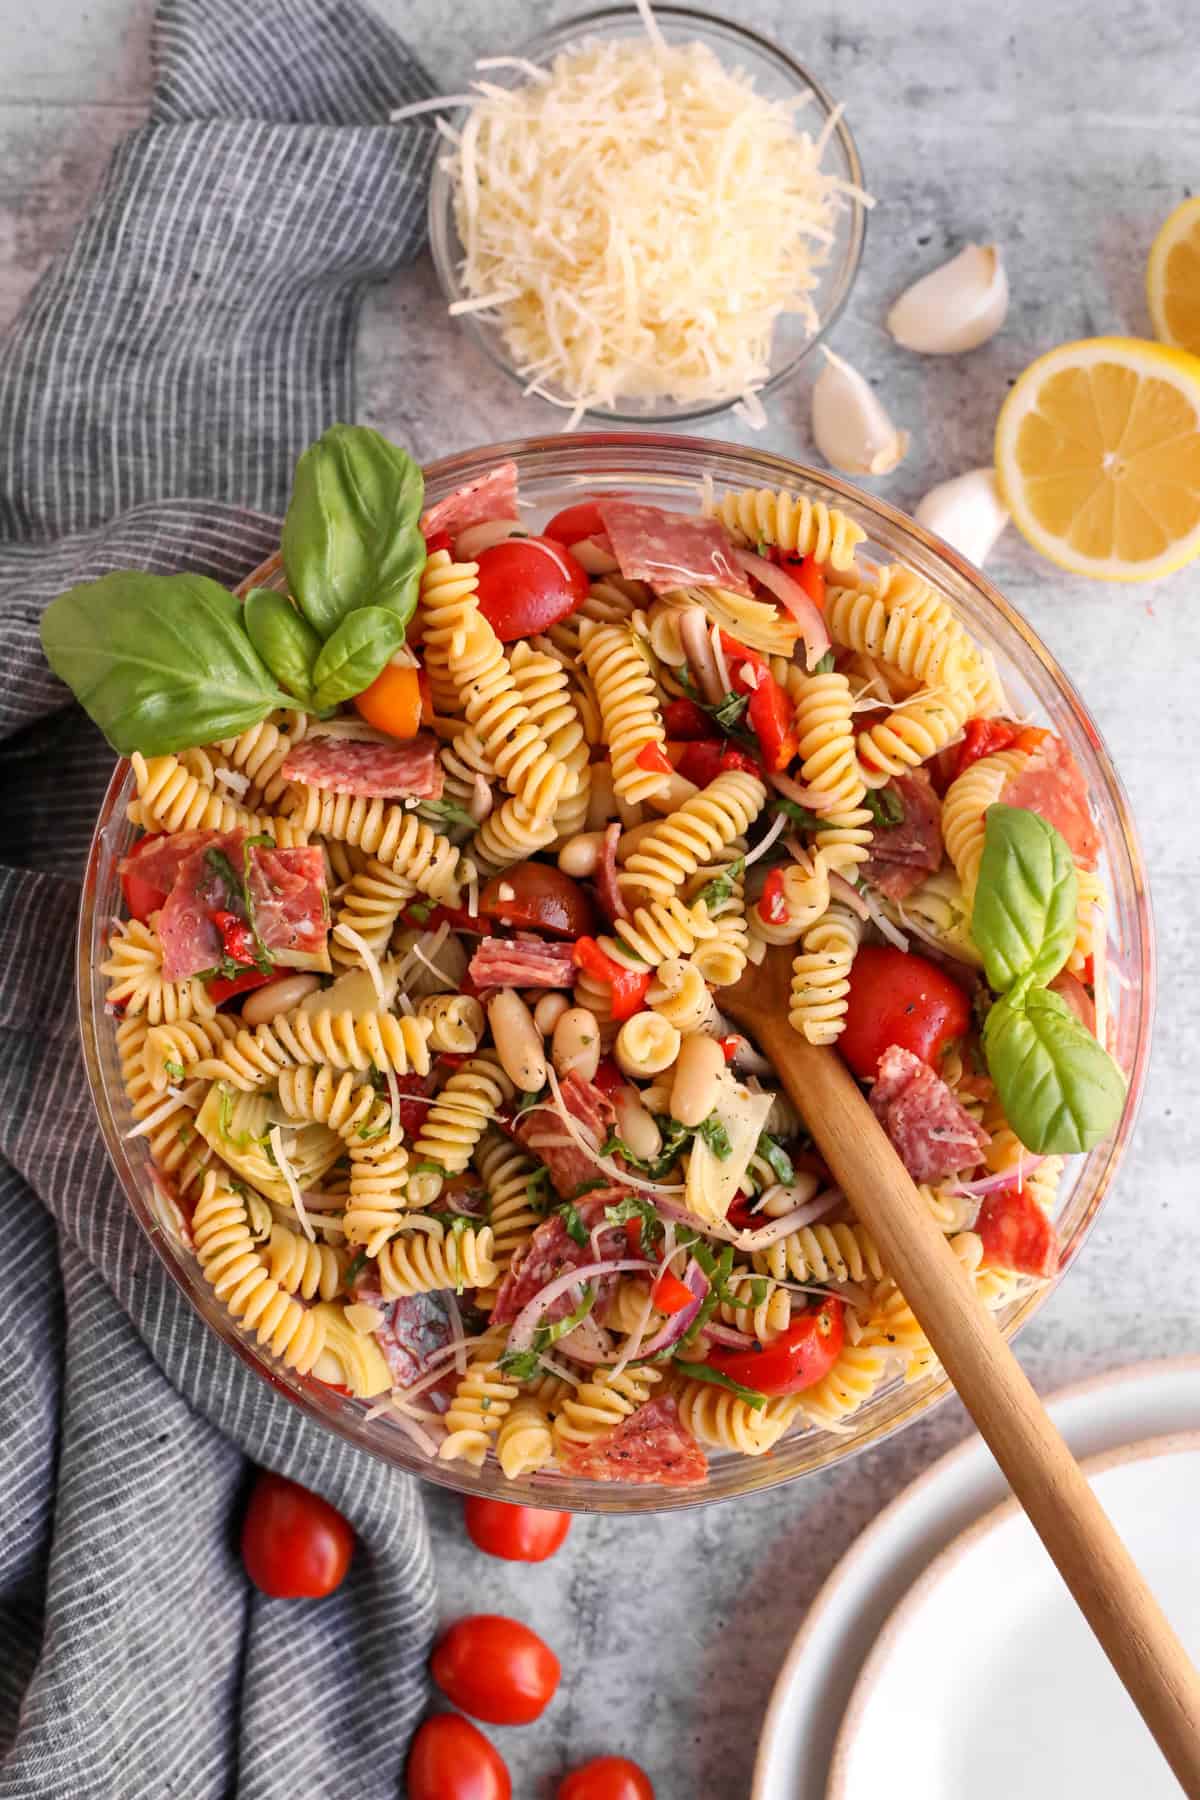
(452, 832)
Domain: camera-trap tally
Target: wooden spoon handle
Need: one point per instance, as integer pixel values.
(1041, 1471)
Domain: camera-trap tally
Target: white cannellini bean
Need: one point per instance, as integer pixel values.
(580, 855)
(635, 1125)
(260, 1007)
(576, 1043)
(548, 1010)
(697, 1073)
(646, 1045)
(518, 1041)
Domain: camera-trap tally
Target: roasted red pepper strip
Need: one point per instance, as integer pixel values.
(628, 985)
(237, 939)
(771, 903)
(805, 570)
(984, 737)
(652, 757)
(670, 1295)
(772, 719)
(224, 987)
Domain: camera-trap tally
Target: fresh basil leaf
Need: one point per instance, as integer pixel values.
(720, 888)
(729, 711)
(1024, 917)
(354, 1268)
(885, 806)
(353, 656)
(522, 1365)
(568, 1212)
(351, 537)
(160, 662)
(776, 1158)
(537, 1190)
(823, 664)
(702, 1372)
(799, 815)
(1061, 1092)
(448, 813)
(284, 639)
(715, 1136)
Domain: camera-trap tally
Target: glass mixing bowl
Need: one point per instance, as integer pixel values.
(777, 76)
(554, 472)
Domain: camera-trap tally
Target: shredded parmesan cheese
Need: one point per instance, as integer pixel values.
(638, 218)
(345, 935)
(232, 778)
(293, 1186)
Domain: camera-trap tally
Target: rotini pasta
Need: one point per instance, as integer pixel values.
(793, 523)
(345, 1040)
(629, 714)
(136, 983)
(599, 1406)
(418, 1262)
(239, 1278)
(674, 849)
(821, 974)
(388, 833)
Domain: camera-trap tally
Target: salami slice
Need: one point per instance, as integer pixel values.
(159, 862)
(191, 942)
(551, 1251)
(411, 1330)
(492, 496)
(384, 769)
(1052, 785)
(651, 1445)
(671, 550)
(1016, 1233)
(608, 893)
(290, 905)
(903, 854)
(933, 1135)
(521, 962)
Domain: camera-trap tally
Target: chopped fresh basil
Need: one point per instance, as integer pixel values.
(886, 807)
(419, 911)
(776, 1157)
(355, 1268)
(729, 712)
(175, 1070)
(715, 1136)
(221, 866)
(720, 889)
(568, 1212)
(702, 1372)
(523, 1364)
(823, 665)
(528, 1100)
(447, 812)
(799, 815)
(632, 1207)
(537, 1190)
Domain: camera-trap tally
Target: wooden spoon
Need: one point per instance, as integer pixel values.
(1044, 1476)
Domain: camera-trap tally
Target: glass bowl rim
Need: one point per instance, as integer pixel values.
(442, 232)
(328, 1408)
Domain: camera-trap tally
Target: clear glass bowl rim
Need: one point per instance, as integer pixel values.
(443, 236)
(576, 463)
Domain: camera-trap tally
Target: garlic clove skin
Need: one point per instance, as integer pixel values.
(850, 426)
(954, 308)
(967, 511)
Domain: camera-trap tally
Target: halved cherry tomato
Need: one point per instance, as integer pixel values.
(496, 1669)
(224, 987)
(772, 719)
(516, 1533)
(142, 897)
(703, 762)
(800, 1356)
(605, 1778)
(628, 985)
(772, 902)
(671, 1295)
(574, 523)
(741, 1214)
(392, 703)
(541, 897)
(525, 585)
(608, 1076)
(898, 998)
(688, 723)
(451, 1760)
(652, 757)
(295, 1546)
(413, 1112)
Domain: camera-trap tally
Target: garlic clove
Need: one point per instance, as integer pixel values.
(850, 426)
(954, 308)
(967, 511)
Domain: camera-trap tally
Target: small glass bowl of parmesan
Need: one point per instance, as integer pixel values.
(647, 217)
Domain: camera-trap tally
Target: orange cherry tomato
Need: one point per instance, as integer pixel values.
(392, 703)
(295, 1546)
(451, 1760)
(496, 1669)
(605, 1778)
(516, 1533)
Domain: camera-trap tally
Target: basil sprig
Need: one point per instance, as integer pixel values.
(160, 662)
(1061, 1091)
(286, 642)
(351, 537)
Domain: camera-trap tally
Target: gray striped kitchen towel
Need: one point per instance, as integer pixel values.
(196, 335)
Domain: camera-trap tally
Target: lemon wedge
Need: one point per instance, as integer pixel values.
(1098, 457)
(1173, 278)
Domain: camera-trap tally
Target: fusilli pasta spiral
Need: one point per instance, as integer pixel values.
(235, 1271)
(628, 701)
(794, 523)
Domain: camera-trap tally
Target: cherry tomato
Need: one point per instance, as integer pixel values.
(392, 703)
(688, 723)
(525, 585)
(224, 987)
(608, 1076)
(516, 1533)
(539, 896)
(295, 1546)
(671, 1295)
(800, 1356)
(574, 523)
(496, 1669)
(741, 1214)
(700, 761)
(898, 998)
(451, 1760)
(605, 1778)
(142, 897)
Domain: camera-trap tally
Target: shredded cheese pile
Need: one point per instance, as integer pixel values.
(637, 218)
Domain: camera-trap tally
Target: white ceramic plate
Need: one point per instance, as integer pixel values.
(846, 1619)
(986, 1680)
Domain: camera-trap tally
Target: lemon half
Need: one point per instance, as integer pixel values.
(1173, 278)
(1098, 457)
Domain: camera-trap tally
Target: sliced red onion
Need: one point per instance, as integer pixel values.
(811, 798)
(526, 1321)
(791, 595)
(808, 1214)
(458, 1336)
(725, 1334)
(848, 894)
(991, 1184)
(588, 1343)
(670, 1333)
(879, 918)
(475, 539)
